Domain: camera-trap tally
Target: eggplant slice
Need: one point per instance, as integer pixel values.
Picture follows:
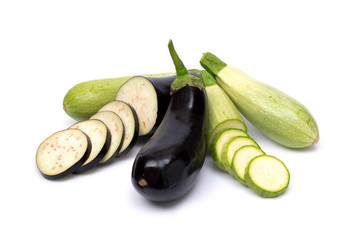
(100, 138)
(62, 153)
(116, 127)
(150, 97)
(130, 120)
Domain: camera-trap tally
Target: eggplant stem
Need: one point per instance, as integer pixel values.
(184, 78)
(179, 65)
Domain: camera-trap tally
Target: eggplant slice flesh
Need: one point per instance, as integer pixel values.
(100, 138)
(116, 127)
(131, 123)
(62, 153)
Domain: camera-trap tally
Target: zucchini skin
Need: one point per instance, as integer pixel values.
(277, 115)
(86, 98)
(167, 166)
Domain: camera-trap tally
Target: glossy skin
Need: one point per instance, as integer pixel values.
(162, 87)
(167, 166)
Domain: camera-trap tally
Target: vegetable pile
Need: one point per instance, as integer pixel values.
(184, 114)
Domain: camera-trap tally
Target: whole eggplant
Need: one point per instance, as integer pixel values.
(168, 165)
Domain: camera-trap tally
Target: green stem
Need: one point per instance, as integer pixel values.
(179, 65)
(211, 63)
(184, 78)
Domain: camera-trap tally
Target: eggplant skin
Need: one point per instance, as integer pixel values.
(167, 166)
(162, 88)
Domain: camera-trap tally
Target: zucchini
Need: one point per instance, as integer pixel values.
(267, 176)
(62, 153)
(241, 159)
(130, 121)
(116, 127)
(222, 113)
(100, 139)
(277, 115)
(219, 140)
(230, 147)
(85, 99)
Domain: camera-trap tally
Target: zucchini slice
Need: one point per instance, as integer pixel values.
(62, 153)
(116, 127)
(100, 139)
(130, 121)
(219, 140)
(230, 148)
(229, 123)
(267, 176)
(241, 159)
(140, 93)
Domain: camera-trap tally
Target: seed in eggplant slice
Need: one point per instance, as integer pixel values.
(116, 127)
(62, 153)
(130, 120)
(100, 138)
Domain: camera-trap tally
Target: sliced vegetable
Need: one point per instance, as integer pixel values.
(230, 148)
(116, 127)
(168, 165)
(62, 153)
(222, 112)
(130, 121)
(85, 99)
(100, 139)
(220, 139)
(241, 159)
(267, 176)
(277, 115)
(149, 96)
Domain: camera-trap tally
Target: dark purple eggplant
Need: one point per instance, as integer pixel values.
(168, 165)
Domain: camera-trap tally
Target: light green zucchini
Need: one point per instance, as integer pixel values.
(85, 99)
(276, 114)
(222, 113)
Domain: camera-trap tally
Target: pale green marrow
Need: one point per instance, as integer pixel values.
(276, 114)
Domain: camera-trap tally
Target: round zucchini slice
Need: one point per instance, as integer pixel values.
(267, 176)
(130, 121)
(100, 139)
(241, 159)
(62, 153)
(220, 139)
(116, 127)
(230, 148)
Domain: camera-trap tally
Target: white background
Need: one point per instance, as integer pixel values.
(308, 49)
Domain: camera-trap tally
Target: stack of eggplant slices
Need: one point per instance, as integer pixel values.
(108, 134)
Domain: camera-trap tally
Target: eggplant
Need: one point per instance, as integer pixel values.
(168, 165)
